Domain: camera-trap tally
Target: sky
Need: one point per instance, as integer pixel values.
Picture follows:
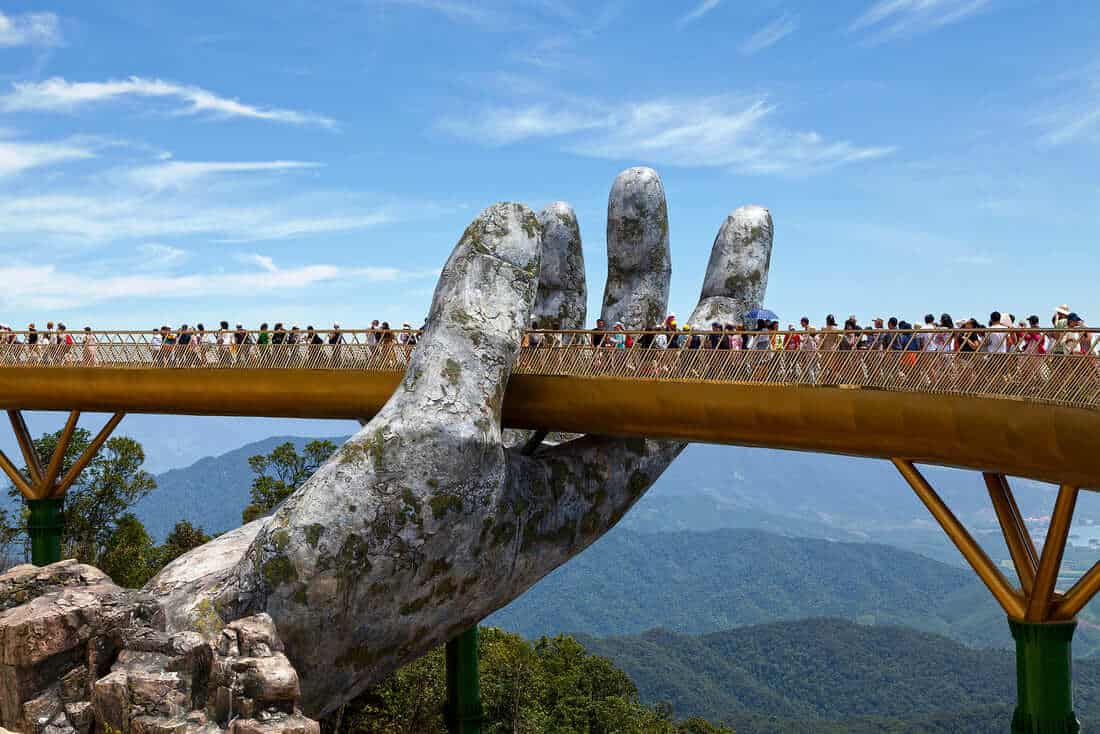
(314, 162)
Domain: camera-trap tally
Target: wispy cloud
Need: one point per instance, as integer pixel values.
(698, 12)
(58, 94)
(1074, 115)
(180, 174)
(29, 29)
(263, 261)
(737, 133)
(889, 19)
(770, 34)
(17, 156)
(161, 254)
(101, 217)
(37, 286)
(462, 11)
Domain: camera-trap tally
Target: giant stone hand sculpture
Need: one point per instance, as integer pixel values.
(424, 523)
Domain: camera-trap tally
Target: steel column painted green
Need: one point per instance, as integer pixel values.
(1044, 681)
(463, 712)
(45, 524)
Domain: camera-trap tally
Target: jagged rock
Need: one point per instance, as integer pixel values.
(256, 636)
(38, 713)
(74, 685)
(22, 583)
(292, 724)
(270, 680)
(81, 715)
(146, 680)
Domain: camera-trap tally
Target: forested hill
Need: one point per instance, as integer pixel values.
(820, 675)
(704, 582)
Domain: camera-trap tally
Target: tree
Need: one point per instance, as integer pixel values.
(281, 472)
(105, 491)
(182, 538)
(553, 686)
(130, 558)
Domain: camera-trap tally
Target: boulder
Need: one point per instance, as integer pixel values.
(78, 653)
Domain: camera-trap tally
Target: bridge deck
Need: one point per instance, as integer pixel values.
(1024, 414)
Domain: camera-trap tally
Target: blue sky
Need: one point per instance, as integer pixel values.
(310, 162)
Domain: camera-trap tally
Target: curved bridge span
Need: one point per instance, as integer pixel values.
(1024, 414)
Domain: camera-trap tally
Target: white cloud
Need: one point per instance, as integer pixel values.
(101, 217)
(698, 12)
(58, 94)
(180, 174)
(162, 255)
(503, 125)
(889, 19)
(17, 156)
(770, 34)
(695, 132)
(29, 29)
(48, 287)
(263, 261)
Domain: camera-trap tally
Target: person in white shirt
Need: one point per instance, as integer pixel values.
(996, 339)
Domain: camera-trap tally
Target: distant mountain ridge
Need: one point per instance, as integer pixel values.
(824, 675)
(701, 582)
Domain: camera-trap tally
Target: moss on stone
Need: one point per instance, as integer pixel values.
(441, 504)
(280, 539)
(452, 370)
(205, 620)
(313, 534)
(278, 571)
(301, 595)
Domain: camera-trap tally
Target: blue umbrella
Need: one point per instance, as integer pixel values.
(761, 313)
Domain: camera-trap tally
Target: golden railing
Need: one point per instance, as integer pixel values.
(1056, 366)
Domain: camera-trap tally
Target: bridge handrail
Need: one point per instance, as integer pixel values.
(915, 360)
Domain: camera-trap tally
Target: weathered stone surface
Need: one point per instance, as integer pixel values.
(256, 636)
(562, 299)
(39, 712)
(737, 276)
(74, 684)
(81, 715)
(423, 523)
(293, 724)
(22, 583)
(268, 680)
(639, 264)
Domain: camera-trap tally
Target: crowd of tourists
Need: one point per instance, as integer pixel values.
(1003, 333)
(279, 345)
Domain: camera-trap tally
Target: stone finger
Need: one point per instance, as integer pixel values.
(737, 274)
(562, 300)
(638, 263)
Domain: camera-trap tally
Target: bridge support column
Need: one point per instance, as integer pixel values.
(41, 486)
(463, 711)
(1042, 620)
(44, 525)
(1044, 684)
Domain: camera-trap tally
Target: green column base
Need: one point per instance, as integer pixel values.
(44, 526)
(1044, 680)
(463, 712)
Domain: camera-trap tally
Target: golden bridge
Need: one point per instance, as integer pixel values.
(1032, 414)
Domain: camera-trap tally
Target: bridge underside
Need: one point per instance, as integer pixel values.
(1023, 438)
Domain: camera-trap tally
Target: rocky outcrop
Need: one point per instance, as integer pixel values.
(79, 653)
